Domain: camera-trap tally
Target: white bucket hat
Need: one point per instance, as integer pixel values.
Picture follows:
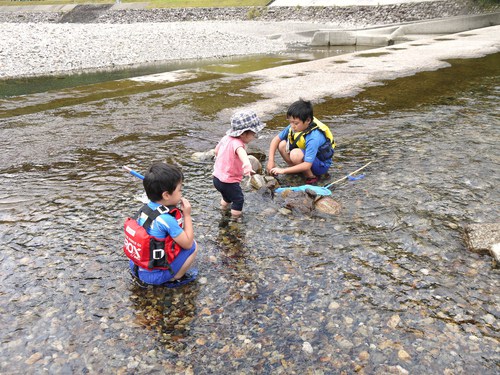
(244, 120)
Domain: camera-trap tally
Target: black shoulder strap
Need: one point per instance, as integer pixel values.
(304, 132)
(151, 214)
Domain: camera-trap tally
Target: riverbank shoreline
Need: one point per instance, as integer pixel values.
(94, 37)
(347, 16)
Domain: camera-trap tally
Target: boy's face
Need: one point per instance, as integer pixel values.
(174, 198)
(298, 125)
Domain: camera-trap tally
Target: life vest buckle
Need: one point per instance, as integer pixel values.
(162, 210)
(158, 253)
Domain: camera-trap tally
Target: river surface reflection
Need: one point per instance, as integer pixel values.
(386, 286)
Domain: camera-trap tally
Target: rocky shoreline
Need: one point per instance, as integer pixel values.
(355, 16)
(96, 37)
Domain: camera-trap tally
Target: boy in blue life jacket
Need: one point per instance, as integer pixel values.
(159, 240)
(306, 144)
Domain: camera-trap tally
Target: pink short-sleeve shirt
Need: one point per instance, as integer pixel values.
(228, 166)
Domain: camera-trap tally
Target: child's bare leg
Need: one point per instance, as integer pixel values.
(285, 155)
(297, 157)
(235, 214)
(187, 265)
(223, 204)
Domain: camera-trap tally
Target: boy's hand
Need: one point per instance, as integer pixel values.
(270, 166)
(185, 206)
(276, 171)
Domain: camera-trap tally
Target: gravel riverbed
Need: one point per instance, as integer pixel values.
(94, 37)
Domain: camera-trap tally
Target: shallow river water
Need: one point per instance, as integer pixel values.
(387, 286)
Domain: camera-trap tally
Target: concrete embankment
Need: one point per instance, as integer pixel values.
(389, 35)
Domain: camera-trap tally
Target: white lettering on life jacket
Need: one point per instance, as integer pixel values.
(132, 249)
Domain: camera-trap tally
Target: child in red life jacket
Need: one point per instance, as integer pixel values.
(164, 257)
(306, 144)
(232, 162)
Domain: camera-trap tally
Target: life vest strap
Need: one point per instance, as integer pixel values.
(303, 133)
(151, 214)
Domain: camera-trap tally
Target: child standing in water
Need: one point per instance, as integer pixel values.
(232, 163)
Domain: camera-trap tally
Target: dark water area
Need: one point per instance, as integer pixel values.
(387, 286)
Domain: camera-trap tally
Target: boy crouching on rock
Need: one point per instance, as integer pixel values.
(306, 144)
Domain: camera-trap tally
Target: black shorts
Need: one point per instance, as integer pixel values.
(231, 193)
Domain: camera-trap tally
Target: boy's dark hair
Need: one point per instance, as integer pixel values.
(301, 109)
(161, 177)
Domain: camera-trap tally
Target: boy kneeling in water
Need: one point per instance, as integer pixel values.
(164, 252)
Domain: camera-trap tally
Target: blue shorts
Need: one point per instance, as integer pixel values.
(231, 193)
(319, 167)
(157, 277)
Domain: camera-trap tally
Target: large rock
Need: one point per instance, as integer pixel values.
(297, 201)
(484, 239)
(306, 202)
(257, 181)
(328, 205)
(204, 156)
(256, 164)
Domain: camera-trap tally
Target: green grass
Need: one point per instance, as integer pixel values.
(152, 3)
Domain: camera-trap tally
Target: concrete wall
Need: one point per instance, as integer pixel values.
(383, 36)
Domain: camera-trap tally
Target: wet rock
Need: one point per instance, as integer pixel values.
(495, 253)
(284, 211)
(256, 164)
(333, 305)
(403, 355)
(306, 202)
(394, 321)
(264, 184)
(34, 358)
(257, 181)
(204, 156)
(396, 370)
(484, 239)
(328, 205)
(364, 356)
(296, 201)
(307, 347)
(271, 183)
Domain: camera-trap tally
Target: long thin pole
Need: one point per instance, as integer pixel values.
(133, 173)
(350, 174)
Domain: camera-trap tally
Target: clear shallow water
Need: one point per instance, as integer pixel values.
(241, 64)
(386, 283)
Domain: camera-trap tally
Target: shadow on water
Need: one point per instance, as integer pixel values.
(385, 286)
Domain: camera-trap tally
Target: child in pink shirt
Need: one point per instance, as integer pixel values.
(231, 162)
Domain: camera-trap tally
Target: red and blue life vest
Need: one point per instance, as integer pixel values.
(146, 251)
